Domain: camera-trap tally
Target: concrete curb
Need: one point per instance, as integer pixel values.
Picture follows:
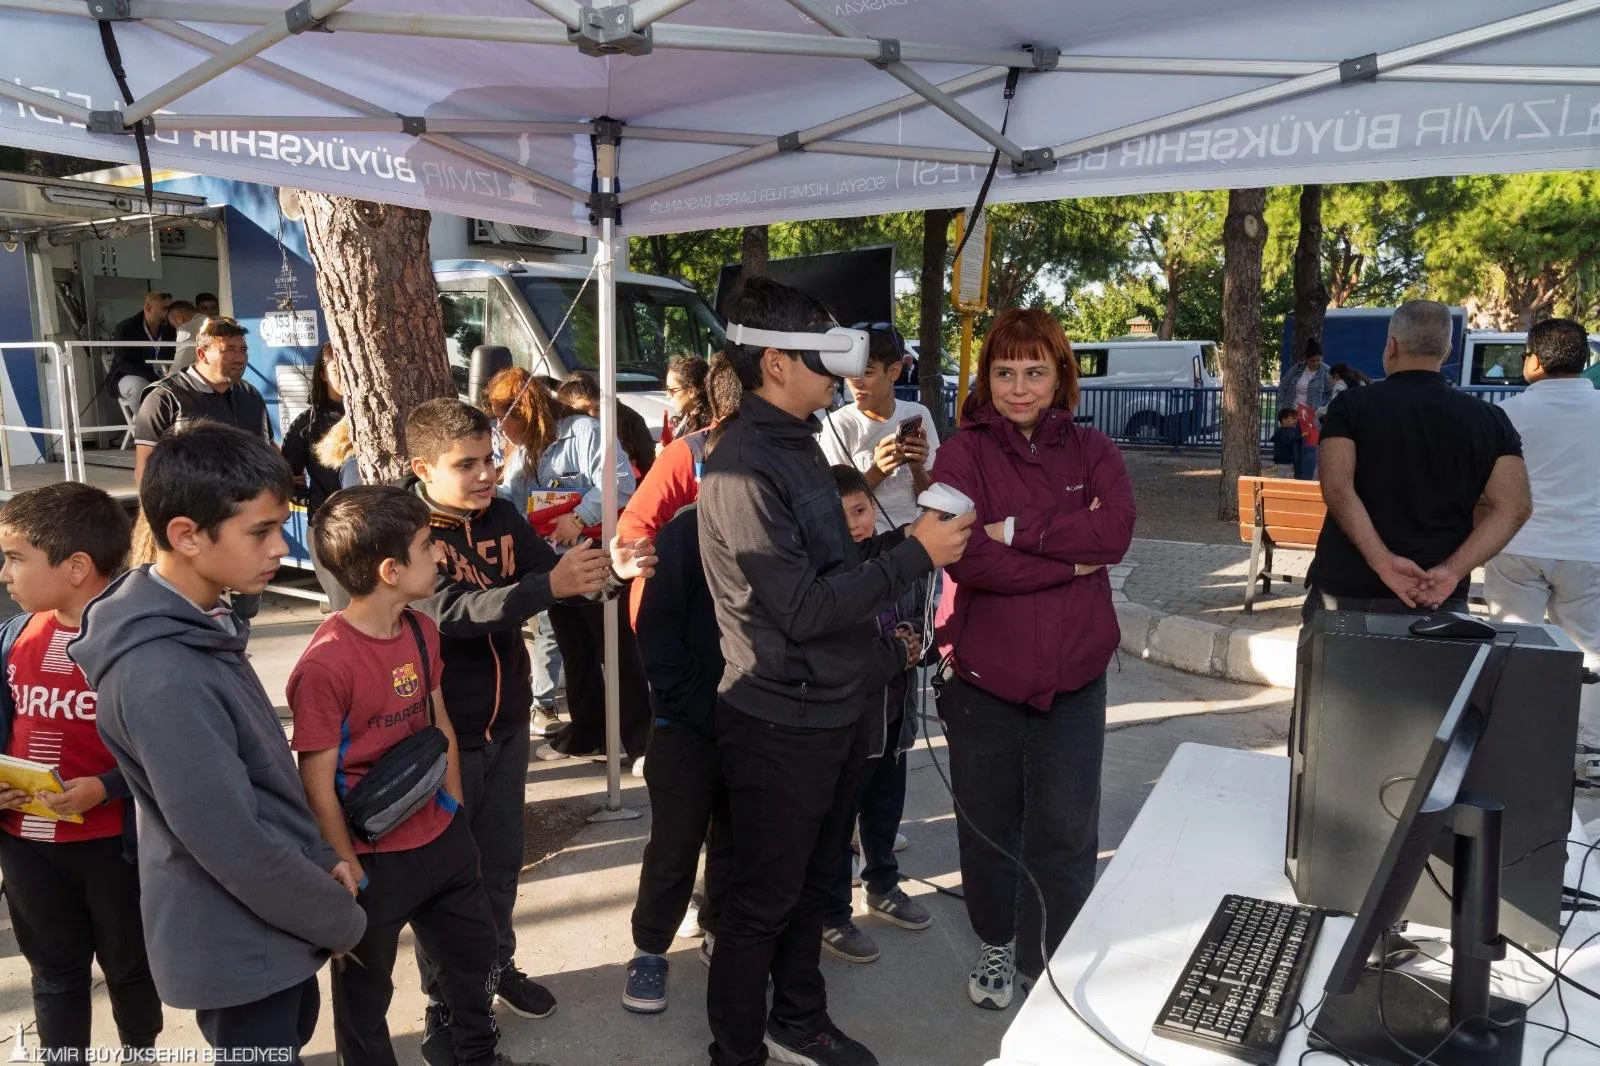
(1198, 647)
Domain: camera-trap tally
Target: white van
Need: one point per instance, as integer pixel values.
(1148, 388)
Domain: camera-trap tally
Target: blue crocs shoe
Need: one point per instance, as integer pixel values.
(646, 991)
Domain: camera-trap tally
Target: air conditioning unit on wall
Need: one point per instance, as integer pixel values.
(506, 235)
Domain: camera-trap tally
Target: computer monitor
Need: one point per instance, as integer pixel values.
(1373, 1015)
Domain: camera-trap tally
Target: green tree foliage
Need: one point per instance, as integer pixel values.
(1517, 248)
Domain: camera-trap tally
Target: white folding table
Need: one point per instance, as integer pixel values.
(1214, 824)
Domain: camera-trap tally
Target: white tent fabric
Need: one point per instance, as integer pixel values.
(750, 111)
(739, 112)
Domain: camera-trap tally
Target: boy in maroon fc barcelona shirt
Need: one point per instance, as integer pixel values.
(368, 680)
(70, 882)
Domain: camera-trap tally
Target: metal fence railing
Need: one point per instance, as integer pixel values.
(1175, 417)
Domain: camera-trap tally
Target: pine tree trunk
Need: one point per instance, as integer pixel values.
(1244, 235)
(382, 309)
(1310, 292)
(753, 255)
(930, 324)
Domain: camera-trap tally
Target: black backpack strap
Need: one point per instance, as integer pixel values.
(422, 649)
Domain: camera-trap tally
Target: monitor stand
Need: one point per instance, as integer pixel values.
(1422, 1017)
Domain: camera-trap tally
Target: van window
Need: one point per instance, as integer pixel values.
(463, 312)
(1091, 362)
(650, 323)
(1208, 358)
(1498, 364)
(508, 327)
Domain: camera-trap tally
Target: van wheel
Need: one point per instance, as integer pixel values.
(1144, 428)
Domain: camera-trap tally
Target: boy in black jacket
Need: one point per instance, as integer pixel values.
(680, 646)
(796, 600)
(496, 574)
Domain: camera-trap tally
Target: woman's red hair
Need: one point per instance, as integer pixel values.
(1029, 335)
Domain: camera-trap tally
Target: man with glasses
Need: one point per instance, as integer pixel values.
(891, 441)
(131, 371)
(1552, 566)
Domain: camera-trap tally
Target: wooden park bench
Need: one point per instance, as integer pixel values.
(1276, 513)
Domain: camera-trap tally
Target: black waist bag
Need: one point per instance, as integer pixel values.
(406, 777)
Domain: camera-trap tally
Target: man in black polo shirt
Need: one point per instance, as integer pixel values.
(131, 372)
(212, 389)
(1404, 464)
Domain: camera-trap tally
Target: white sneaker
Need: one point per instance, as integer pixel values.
(690, 926)
(990, 984)
(900, 843)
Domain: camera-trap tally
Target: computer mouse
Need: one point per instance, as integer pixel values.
(1452, 625)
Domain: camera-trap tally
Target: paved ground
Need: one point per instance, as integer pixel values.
(572, 913)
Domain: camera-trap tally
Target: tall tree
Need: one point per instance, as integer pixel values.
(1310, 294)
(1244, 235)
(930, 371)
(1521, 246)
(382, 309)
(754, 251)
(1177, 234)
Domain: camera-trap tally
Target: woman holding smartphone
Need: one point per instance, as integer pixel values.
(1027, 626)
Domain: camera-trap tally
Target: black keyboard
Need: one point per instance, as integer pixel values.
(1237, 994)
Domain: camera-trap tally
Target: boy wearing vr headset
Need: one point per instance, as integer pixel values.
(796, 600)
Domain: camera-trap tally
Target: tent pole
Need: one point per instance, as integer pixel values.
(44, 102)
(285, 76)
(647, 11)
(1386, 63)
(809, 136)
(221, 62)
(565, 12)
(606, 282)
(917, 83)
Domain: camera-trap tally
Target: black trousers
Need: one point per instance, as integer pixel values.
(282, 1022)
(791, 796)
(580, 634)
(494, 780)
(880, 803)
(1030, 780)
(71, 903)
(436, 890)
(688, 806)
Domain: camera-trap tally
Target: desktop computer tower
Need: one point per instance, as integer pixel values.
(1368, 698)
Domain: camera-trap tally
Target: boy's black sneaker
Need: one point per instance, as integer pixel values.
(524, 996)
(826, 1047)
(437, 1049)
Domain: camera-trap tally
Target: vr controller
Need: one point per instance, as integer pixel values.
(840, 352)
(948, 502)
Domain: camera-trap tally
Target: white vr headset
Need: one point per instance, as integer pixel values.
(840, 352)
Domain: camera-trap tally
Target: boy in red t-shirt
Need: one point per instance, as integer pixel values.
(73, 892)
(366, 682)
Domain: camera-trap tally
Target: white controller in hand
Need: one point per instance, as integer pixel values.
(949, 502)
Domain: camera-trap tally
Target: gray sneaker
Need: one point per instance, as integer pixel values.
(850, 943)
(897, 907)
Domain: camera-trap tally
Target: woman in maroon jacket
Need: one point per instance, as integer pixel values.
(1027, 622)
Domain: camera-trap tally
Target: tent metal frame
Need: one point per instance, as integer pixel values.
(635, 29)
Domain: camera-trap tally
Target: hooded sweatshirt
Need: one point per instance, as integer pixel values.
(494, 577)
(1020, 624)
(236, 896)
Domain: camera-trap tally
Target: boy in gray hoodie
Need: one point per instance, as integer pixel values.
(242, 900)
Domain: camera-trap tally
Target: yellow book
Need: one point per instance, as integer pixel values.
(34, 777)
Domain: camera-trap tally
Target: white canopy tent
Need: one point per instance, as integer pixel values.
(670, 115)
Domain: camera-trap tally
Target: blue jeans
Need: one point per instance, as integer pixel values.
(546, 675)
(1306, 468)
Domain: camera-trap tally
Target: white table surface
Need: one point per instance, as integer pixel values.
(1214, 824)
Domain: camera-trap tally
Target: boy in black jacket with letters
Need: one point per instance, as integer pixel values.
(496, 573)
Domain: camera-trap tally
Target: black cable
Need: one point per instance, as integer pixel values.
(1555, 971)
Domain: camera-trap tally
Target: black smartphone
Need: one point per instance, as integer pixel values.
(908, 428)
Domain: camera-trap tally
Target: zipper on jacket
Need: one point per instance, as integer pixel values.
(804, 685)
